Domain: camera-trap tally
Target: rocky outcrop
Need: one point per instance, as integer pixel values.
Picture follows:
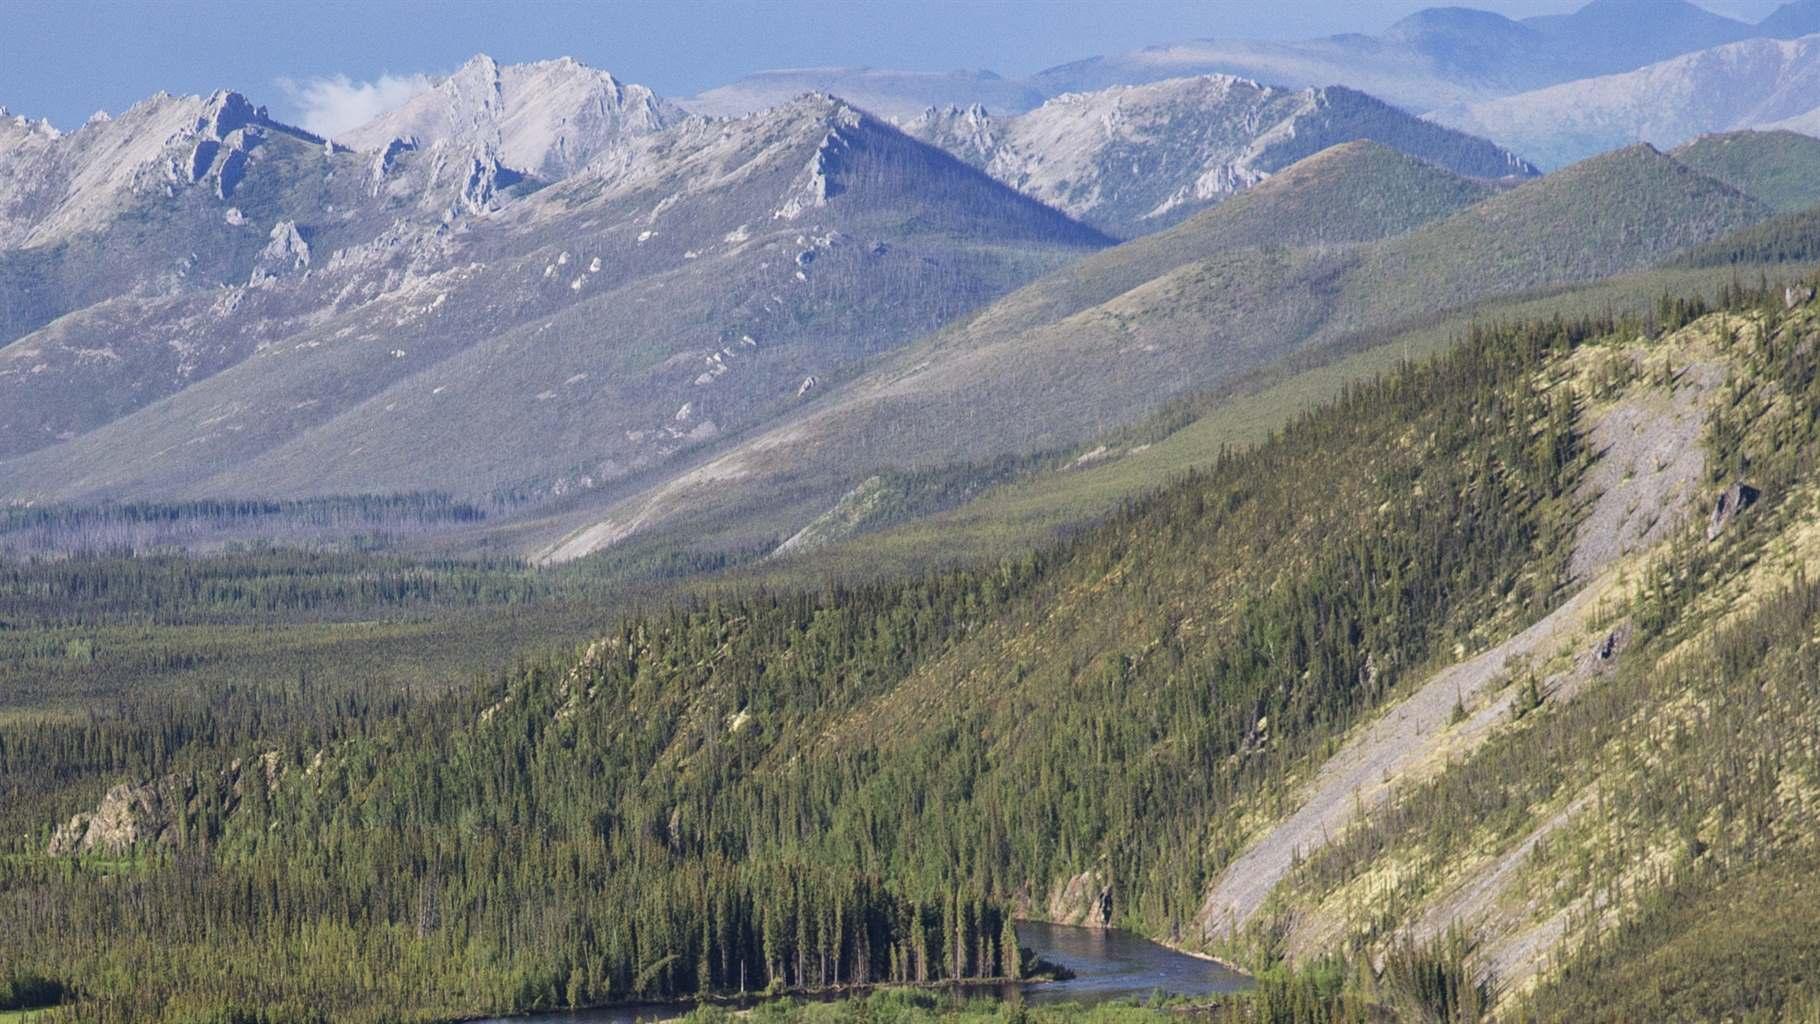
(286, 252)
(138, 816)
(1133, 159)
(1604, 654)
(385, 159)
(1085, 899)
(822, 178)
(227, 131)
(547, 119)
(1735, 499)
(468, 180)
(127, 818)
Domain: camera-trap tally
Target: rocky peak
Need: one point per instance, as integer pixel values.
(821, 108)
(839, 125)
(970, 132)
(225, 112)
(1137, 157)
(548, 118)
(41, 126)
(286, 251)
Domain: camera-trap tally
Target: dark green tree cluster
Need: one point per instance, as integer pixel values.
(30, 530)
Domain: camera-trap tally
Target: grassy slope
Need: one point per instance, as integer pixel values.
(1603, 216)
(1028, 510)
(1351, 193)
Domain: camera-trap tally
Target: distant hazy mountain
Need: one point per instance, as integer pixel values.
(1403, 71)
(1750, 84)
(1439, 56)
(1607, 36)
(1792, 20)
(1436, 57)
(688, 283)
(883, 91)
(547, 119)
(1132, 159)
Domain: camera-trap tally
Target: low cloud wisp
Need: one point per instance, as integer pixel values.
(333, 104)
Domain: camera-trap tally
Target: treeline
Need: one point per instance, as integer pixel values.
(253, 586)
(130, 527)
(1788, 238)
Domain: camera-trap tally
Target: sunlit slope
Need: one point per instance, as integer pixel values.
(1043, 370)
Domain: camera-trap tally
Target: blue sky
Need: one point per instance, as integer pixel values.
(65, 59)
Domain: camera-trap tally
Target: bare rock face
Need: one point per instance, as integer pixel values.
(286, 251)
(1736, 498)
(226, 132)
(1086, 899)
(134, 816)
(386, 158)
(1604, 654)
(1134, 159)
(128, 816)
(546, 119)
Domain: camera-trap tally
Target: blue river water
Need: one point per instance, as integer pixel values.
(1107, 965)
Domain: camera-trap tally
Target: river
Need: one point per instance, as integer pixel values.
(1107, 965)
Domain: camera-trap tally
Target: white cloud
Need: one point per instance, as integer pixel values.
(333, 104)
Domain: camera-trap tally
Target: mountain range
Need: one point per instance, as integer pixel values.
(605, 313)
(690, 280)
(1758, 83)
(1227, 292)
(890, 93)
(1133, 158)
(1437, 57)
(491, 224)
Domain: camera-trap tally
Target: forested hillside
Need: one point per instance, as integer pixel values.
(774, 789)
